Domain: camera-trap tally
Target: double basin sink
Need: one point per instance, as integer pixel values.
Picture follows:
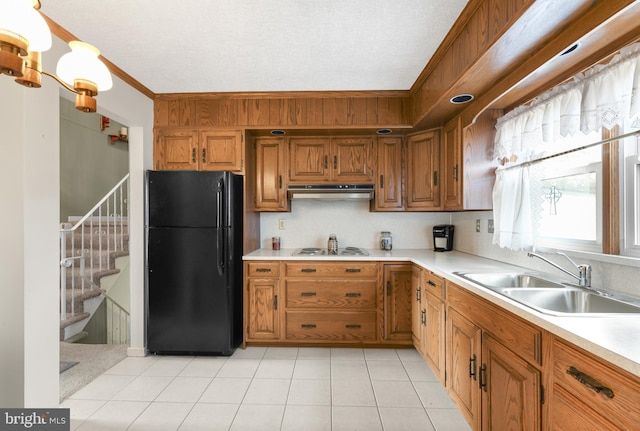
(551, 297)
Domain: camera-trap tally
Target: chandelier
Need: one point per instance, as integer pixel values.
(24, 35)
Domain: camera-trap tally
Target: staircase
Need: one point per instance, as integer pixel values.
(89, 249)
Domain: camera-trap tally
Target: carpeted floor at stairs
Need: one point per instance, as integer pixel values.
(92, 360)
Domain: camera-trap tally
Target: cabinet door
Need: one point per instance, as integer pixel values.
(463, 363)
(397, 301)
(351, 160)
(434, 338)
(309, 159)
(452, 156)
(263, 314)
(511, 390)
(271, 188)
(417, 315)
(389, 180)
(423, 165)
(176, 150)
(221, 151)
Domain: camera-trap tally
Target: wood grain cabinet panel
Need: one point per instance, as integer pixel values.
(352, 159)
(397, 283)
(263, 309)
(434, 334)
(309, 159)
(221, 150)
(453, 166)
(388, 196)
(271, 184)
(176, 150)
(331, 326)
(423, 171)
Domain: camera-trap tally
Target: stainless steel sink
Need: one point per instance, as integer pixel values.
(570, 301)
(501, 280)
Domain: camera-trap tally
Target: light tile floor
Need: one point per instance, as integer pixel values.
(264, 389)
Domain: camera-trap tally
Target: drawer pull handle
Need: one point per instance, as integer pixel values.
(308, 326)
(353, 326)
(308, 270)
(431, 283)
(352, 294)
(263, 269)
(590, 382)
(308, 294)
(483, 377)
(352, 270)
(472, 368)
(419, 294)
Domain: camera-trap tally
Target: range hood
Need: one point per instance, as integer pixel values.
(331, 191)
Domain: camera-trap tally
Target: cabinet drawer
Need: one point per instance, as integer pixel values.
(434, 284)
(334, 326)
(331, 294)
(264, 269)
(619, 394)
(331, 269)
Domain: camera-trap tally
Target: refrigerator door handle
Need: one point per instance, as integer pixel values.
(221, 251)
(219, 200)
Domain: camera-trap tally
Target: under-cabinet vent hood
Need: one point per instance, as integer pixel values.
(331, 191)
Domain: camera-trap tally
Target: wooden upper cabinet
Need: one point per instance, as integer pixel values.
(341, 160)
(309, 159)
(452, 169)
(176, 150)
(202, 150)
(352, 160)
(423, 171)
(221, 150)
(271, 187)
(389, 179)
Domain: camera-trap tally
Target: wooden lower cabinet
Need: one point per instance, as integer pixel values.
(496, 384)
(264, 316)
(397, 302)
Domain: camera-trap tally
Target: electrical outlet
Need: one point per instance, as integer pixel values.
(478, 225)
(281, 224)
(490, 230)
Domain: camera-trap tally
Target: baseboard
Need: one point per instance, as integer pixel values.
(137, 352)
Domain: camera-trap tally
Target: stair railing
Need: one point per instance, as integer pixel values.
(100, 233)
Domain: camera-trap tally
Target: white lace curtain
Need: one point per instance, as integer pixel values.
(603, 96)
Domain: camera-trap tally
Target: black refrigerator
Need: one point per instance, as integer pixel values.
(193, 260)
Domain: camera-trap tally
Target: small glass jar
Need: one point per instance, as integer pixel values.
(275, 243)
(385, 241)
(332, 244)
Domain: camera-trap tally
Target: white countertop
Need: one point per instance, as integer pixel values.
(614, 338)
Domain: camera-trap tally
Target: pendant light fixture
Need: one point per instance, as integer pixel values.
(24, 35)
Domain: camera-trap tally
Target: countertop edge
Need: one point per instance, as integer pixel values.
(614, 343)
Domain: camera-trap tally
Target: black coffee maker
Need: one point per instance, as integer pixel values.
(443, 237)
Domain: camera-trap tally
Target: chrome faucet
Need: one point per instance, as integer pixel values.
(584, 271)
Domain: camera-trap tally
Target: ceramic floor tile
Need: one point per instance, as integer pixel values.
(258, 418)
(143, 388)
(314, 353)
(114, 416)
(161, 417)
(249, 353)
(310, 392)
(352, 393)
(405, 419)
(433, 395)
(103, 387)
(355, 419)
(381, 354)
(312, 369)
(203, 367)
(132, 366)
(81, 410)
(396, 394)
(245, 368)
(168, 366)
(281, 353)
(226, 390)
(419, 372)
(387, 370)
(349, 370)
(184, 389)
(448, 420)
(346, 353)
(275, 369)
(210, 417)
(307, 418)
(409, 355)
(267, 391)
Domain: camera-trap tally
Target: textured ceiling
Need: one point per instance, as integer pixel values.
(262, 45)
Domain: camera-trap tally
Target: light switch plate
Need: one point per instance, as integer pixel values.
(281, 224)
(490, 230)
(477, 225)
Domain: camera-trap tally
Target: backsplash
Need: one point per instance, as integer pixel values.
(310, 222)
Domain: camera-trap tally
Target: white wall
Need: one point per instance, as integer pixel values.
(310, 222)
(29, 194)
